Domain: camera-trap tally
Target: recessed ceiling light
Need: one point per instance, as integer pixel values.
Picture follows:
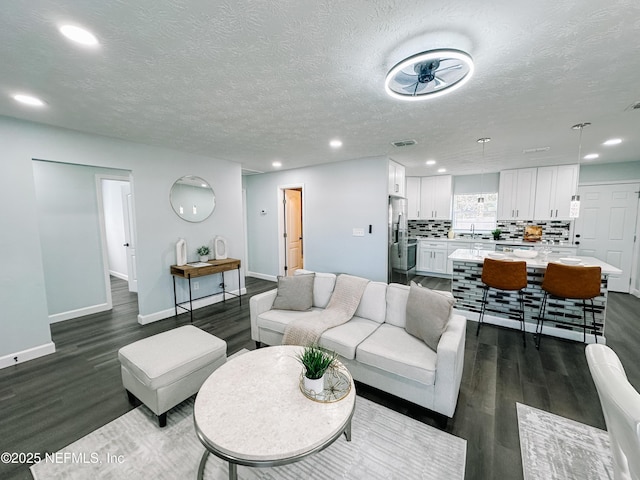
(276, 164)
(79, 35)
(430, 162)
(442, 170)
(613, 141)
(591, 156)
(28, 100)
(335, 143)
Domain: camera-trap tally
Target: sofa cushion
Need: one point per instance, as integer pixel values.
(322, 287)
(393, 350)
(277, 320)
(373, 303)
(427, 314)
(294, 293)
(397, 296)
(345, 338)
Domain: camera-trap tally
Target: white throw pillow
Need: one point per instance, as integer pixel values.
(428, 313)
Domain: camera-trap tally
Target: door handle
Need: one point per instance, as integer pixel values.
(125, 244)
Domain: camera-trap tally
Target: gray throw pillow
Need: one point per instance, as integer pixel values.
(427, 314)
(295, 293)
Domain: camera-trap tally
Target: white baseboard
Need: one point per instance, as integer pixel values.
(121, 276)
(26, 355)
(531, 327)
(80, 312)
(201, 302)
(635, 292)
(262, 276)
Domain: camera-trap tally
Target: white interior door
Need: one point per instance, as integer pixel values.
(129, 237)
(606, 227)
(293, 209)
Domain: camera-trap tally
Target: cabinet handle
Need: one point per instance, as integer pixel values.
(513, 213)
(517, 213)
(551, 213)
(556, 213)
(435, 214)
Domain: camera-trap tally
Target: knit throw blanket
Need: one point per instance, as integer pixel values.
(342, 305)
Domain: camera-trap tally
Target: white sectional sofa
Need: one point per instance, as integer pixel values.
(374, 345)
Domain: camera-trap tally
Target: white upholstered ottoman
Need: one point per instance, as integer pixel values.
(163, 370)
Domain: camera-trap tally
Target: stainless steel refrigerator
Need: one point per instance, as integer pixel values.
(402, 251)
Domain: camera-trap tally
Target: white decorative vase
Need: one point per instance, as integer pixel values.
(220, 247)
(314, 384)
(181, 252)
(204, 258)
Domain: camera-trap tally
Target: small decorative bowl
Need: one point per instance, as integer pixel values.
(523, 253)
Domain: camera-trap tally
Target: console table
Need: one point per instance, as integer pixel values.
(189, 271)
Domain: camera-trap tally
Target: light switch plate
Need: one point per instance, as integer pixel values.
(358, 232)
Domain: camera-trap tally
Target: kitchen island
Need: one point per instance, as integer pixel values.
(502, 307)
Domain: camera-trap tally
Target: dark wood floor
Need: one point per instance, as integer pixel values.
(52, 401)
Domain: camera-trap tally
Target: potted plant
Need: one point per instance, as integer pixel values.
(203, 251)
(315, 362)
(496, 233)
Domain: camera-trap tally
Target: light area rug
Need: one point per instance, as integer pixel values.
(385, 445)
(554, 447)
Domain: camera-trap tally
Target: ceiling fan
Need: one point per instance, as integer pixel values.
(429, 74)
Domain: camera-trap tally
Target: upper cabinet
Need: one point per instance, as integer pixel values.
(413, 198)
(396, 179)
(554, 188)
(516, 194)
(435, 197)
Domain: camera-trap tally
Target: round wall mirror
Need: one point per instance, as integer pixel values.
(192, 198)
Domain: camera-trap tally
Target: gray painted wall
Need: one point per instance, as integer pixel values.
(68, 221)
(610, 172)
(24, 321)
(337, 198)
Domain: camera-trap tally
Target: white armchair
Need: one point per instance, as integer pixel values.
(621, 407)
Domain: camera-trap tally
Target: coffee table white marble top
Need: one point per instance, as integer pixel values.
(251, 411)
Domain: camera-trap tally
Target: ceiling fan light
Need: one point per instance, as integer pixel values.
(466, 67)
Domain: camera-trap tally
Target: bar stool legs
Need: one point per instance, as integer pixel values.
(543, 308)
(521, 303)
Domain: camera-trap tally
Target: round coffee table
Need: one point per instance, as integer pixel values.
(251, 411)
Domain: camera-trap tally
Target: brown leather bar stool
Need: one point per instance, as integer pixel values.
(504, 275)
(570, 282)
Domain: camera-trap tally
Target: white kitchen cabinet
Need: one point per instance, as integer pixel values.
(432, 257)
(435, 197)
(413, 198)
(396, 179)
(516, 194)
(554, 188)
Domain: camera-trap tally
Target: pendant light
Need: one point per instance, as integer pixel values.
(574, 206)
(482, 140)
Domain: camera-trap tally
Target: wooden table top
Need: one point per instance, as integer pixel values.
(214, 266)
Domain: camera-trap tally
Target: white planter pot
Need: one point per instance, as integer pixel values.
(204, 258)
(316, 385)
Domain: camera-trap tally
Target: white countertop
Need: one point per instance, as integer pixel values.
(494, 242)
(478, 256)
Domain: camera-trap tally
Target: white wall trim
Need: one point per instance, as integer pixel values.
(28, 354)
(202, 302)
(80, 312)
(531, 328)
(262, 276)
(119, 275)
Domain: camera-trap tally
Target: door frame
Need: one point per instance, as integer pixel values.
(635, 253)
(103, 229)
(282, 254)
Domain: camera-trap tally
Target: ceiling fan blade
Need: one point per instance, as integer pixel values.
(449, 68)
(403, 78)
(439, 82)
(411, 88)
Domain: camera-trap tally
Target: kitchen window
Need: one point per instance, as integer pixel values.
(467, 211)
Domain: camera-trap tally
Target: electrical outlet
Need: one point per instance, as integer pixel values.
(196, 285)
(358, 232)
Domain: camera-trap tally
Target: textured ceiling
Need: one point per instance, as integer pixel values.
(257, 81)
